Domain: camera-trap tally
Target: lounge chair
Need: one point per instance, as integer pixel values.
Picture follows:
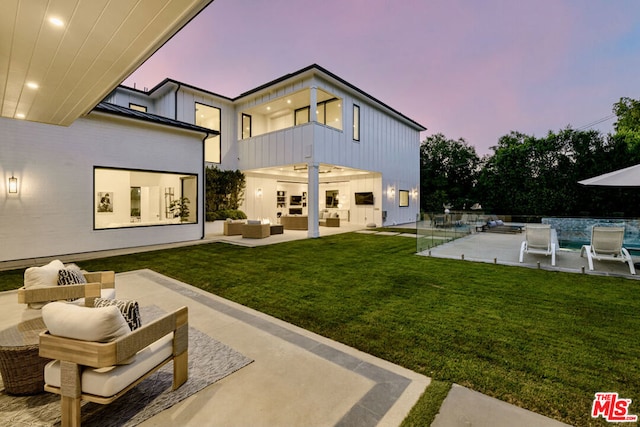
(540, 239)
(495, 225)
(606, 245)
(97, 358)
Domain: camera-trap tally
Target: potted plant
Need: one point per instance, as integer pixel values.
(180, 208)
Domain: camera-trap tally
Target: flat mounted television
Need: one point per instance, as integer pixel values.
(295, 201)
(364, 198)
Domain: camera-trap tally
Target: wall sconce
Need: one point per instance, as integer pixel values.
(414, 194)
(259, 193)
(13, 184)
(391, 192)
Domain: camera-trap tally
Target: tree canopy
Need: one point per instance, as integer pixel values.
(533, 176)
(448, 172)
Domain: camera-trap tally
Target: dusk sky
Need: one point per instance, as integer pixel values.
(472, 69)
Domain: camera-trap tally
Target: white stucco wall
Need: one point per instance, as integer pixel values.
(53, 212)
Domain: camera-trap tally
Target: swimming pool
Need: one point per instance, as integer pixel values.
(575, 232)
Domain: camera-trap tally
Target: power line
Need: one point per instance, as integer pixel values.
(596, 122)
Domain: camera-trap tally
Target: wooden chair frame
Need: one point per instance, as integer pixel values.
(97, 281)
(74, 355)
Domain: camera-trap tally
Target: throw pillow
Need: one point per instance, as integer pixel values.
(102, 324)
(70, 277)
(129, 309)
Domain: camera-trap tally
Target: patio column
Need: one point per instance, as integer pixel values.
(312, 200)
(313, 104)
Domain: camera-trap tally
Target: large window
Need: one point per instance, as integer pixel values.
(356, 123)
(209, 117)
(133, 198)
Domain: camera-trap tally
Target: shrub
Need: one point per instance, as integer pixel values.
(224, 214)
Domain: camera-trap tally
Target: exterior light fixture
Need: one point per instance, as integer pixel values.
(13, 184)
(56, 22)
(259, 193)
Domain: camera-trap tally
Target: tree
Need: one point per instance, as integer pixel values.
(224, 189)
(628, 112)
(532, 176)
(448, 172)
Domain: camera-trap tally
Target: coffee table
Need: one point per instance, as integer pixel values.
(277, 229)
(21, 367)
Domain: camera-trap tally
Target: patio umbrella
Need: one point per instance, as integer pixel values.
(627, 177)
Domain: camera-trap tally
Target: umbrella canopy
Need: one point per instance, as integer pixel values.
(627, 177)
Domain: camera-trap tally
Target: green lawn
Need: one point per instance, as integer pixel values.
(545, 341)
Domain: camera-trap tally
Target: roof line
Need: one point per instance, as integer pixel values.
(335, 77)
(280, 80)
(177, 82)
(117, 110)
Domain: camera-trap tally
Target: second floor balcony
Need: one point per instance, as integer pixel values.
(295, 109)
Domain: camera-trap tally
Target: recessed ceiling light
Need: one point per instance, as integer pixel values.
(32, 85)
(288, 101)
(268, 108)
(56, 21)
(19, 116)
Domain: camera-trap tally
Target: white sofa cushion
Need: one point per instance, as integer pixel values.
(102, 324)
(110, 381)
(40, 277)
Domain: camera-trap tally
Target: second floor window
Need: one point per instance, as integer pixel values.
(137, 107)
(209, 117)
(302, 116)
(356, 123)
(246, 126)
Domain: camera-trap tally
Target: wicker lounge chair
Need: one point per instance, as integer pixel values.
(99, 371)
(99, 284)
(606, 245)
(540, 239)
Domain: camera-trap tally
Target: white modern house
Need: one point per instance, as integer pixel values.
(308, 142)
(87, 165)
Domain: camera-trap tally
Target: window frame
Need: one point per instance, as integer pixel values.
(137, 107)
(403, 198)
(193, 204)
(295, 115)
(248, 116)
(356, 122)
(208, 140)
